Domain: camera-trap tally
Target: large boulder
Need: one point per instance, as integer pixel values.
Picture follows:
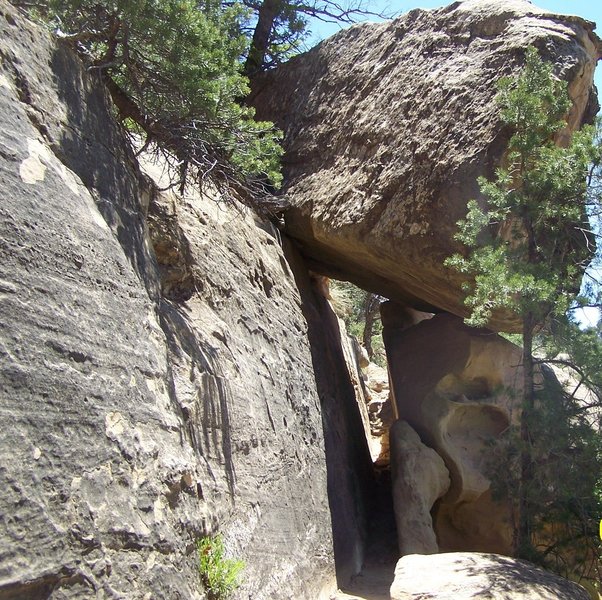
(387, 127)
(143, 405)
(459, 388)
(468, 575)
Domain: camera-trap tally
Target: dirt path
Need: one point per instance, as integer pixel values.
(372, 583)
(376, 576)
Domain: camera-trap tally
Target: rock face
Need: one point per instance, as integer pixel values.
(371, 386)
(349, 468)
(169, 368)
(419, 478)
(357, 375)
(144, 404)
(388, 127)
(459, 388)
(467, 575)
(380, 412)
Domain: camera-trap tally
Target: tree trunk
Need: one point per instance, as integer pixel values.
(266, 16)
(370, 313)
(523, 537)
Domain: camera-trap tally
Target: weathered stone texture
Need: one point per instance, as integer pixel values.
(467, 575)
(350, 476)
(388, 126)
(141, 407)
(419, 478)
(244, 381)
(459, 388)
(380, 412)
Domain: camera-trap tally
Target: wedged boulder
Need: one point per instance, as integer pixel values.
(468, 575)
(387, 127)
(459, 388)
(419, 478)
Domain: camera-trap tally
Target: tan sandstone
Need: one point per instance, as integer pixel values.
(459, 388)
(388, 126)
(419, 478)
(468, 575)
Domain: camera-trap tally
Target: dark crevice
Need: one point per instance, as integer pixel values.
(43, 588)
(359, 494)
(382, 553)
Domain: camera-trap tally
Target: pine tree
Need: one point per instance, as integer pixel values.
(280, 26)
(361, 312)
(173, 68)
(524, 238)
(565, 447)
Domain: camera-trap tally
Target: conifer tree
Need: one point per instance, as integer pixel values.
(524, 238)
(173, 68)
(279, 26)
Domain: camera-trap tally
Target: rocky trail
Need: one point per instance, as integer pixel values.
(376, 577)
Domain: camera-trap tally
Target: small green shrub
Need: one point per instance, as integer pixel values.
(219, 574)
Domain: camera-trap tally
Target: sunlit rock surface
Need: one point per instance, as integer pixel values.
(144, 404)
(419, 478)
(388, 126)
(468, 575)
(459, 388)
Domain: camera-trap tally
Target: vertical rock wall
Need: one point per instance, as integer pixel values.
(143, 404)
(350, 474)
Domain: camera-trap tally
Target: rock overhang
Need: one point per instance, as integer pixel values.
(388, 126)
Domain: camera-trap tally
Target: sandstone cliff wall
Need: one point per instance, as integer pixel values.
(146, 400)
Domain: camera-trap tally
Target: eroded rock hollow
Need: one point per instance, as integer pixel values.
(459, 389)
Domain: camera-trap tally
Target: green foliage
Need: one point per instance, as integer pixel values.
(348, 301)
(173, 68)
(278, 28)
(525, 238)
(219, 574)
(527, 241)
(360, 311)
(288, 30)
(566, 449)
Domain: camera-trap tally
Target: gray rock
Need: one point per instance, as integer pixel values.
(143, 404)
(350, 474)
(387, 127)
(467, 575)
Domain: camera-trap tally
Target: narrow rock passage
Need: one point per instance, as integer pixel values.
(376, 576)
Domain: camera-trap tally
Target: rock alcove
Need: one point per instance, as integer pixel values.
(423, 484)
